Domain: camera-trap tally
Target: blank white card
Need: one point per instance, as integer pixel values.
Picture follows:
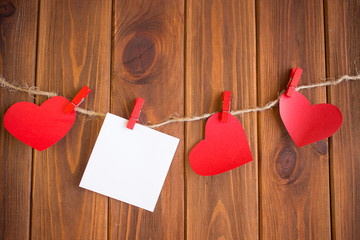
(129, 165)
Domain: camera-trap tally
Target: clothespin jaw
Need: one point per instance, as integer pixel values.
(135, 113)
(293, 82)
(78, 99)
(226, 106)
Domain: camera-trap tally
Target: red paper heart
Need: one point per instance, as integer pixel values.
(308, 124)
(39, 126)
(225, 147)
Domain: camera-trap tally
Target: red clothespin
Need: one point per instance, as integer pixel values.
(226, 106)
(135, 113)
(78, 99)
(294, 80)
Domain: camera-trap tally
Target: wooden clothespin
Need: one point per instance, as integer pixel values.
(135, 113)
(78, 99)
(226, 106)
(293, 81)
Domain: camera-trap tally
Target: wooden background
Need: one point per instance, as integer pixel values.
(180, 55)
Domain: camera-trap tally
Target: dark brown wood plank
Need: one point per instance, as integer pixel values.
(343, 49)
(148, 63)
(294, 186)
(18, 25)
(74, 50)
(221, 55)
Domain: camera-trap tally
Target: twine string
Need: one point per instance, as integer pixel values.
(35, 91)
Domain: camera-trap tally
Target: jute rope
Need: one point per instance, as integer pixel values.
(269, 105)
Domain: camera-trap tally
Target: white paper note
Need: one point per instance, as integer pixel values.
(129, 165)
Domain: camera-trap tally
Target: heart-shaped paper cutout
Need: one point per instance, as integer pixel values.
(308, 124)
(39, 126)
(225, 147)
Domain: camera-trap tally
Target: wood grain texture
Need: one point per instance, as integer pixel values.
(126, 49)
(148, 62)
(294, 182)
(343, 53)
(74, 50)
(221, 55)
(18, 20)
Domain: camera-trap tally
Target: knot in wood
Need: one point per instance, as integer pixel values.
(286, 163)
(321, 147)
(7, 8)
(139, 55)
